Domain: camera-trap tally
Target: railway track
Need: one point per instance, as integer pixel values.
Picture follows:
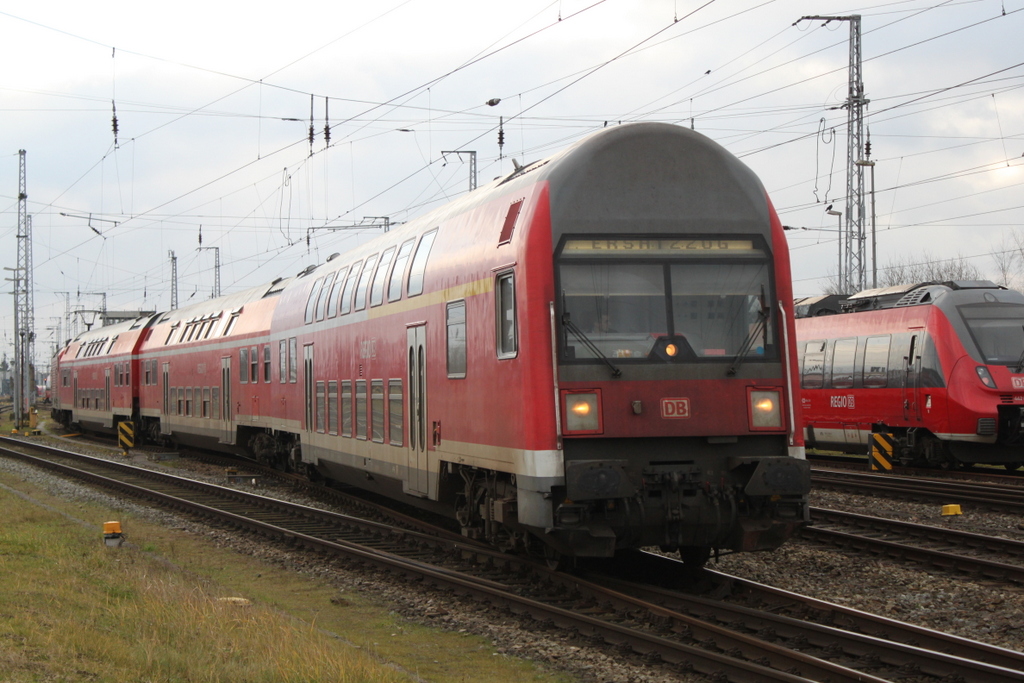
(687, 635)
(983, 495)
(946, 549)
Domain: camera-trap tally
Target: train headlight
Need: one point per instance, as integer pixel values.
(985, 377)
(582, 410)
(765, 409)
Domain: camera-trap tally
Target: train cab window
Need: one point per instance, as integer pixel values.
(350, 285)
(335, 295)
(377, 289)
(876, 362)
(361, 401)
(395, 416)
(377, 410)
(456, 324)
(346, 407)
(995, 328)
(843, 355)
(321, 300)
(311, 301)
(419, 264)
(254, 365)
(505, 305)
(266, 363)
(814, 365)
(364, 283)
(677, 300)
(332, 407)
(398, 272)
(243, 366)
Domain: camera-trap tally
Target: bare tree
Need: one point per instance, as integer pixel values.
(1007, 259)
(923, 267)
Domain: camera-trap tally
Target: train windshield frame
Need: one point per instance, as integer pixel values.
(666, 298)
(997, 330)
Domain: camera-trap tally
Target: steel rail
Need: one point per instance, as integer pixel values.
(946, 492)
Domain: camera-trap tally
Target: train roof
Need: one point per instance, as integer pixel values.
(897, 296)
(229, 302)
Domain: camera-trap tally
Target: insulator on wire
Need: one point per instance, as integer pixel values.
(327, 123)
(312, 130)
(501, 134)
(114, 108)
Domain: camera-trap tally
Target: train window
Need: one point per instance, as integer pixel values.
(311, 301)
(266, 363)
(395, 417)
(321, 407)
(364, 283)
(814, 365)
(181, 401)
(876, 362)
(206, 401)
(350, 285)
(321, 300)
(996, 329)
(231, 322)
(419, 263)
(456, 323)
(170, 334)
(254, 365)
(332, 407)
(215, 402)
(377, 410)
(332, 300)
(377, 290)
(293, 360)
(346, 407)
(510, 222)
(188, 401)
(282, 365)
(361, 399)
(401, 261)
(505, 305)
(243, 366)
(843, 355)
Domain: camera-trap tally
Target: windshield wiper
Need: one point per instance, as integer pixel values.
(748, 343)
(571, 326)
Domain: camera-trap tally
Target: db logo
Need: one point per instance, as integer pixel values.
(675, 408)
(1018, 382)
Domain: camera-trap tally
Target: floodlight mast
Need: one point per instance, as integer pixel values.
(853, 246)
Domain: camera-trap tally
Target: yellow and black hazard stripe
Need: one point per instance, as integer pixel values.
(126, 434)
(881, 453)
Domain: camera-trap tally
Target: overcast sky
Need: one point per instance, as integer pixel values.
(213, 105)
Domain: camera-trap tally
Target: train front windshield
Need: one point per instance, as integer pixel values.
(682, 300)
(997, 329)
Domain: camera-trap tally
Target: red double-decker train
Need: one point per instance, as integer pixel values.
(938, 366)
(593, 353)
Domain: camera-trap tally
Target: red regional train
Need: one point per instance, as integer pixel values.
(939, 366)
(596, 352)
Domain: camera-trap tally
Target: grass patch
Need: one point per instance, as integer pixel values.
(72, 609)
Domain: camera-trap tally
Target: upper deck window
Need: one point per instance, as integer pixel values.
(377, 290)
(401, 261)
(364, 283)
(682, 299)
(419, 263)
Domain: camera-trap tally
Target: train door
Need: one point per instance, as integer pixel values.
(417, 480)
(307, 379)
(912, 379)
(168, 406)
(76, 405)
(227, 431)
(106, 394)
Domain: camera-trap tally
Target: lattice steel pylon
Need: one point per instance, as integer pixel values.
(852, 240)
(24, 313)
